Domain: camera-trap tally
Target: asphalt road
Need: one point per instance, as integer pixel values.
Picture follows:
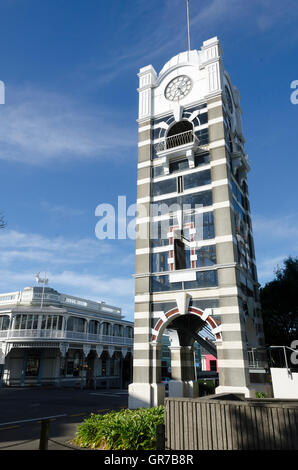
(17, 406)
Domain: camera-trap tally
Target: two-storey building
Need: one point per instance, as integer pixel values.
(47, 337)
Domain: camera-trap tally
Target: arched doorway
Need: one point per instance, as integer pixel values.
(184, 330)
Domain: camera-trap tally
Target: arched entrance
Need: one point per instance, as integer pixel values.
(184, 330)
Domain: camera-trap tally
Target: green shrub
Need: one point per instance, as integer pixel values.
(123, 430)
(261, 395)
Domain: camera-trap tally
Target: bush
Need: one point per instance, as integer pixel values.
(123, 430)
(261, 395)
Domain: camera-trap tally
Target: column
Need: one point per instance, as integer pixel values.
(183, 383)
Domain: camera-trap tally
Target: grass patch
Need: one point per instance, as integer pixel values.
(122, 430)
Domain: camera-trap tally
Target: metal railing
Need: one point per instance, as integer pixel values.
(68, 335)
(257, 358)
(177, 140)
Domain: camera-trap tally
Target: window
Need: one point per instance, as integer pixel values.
(103, 370)
(179, 254)
(157, 171)
(213, 365)
(179, 165)
(161, 283)
(70, 368)
(206, 256)
(208, 226)
(74, 365)
(202, 159)
(70, 324)
(4, 322)
(200, 199)
(159, 262)
(194, 180)
(203, 136)
(93, 327)
(180, 184)
(105, 329)
(32, 366)
(204, 279)
(159, 233)
(164, 187)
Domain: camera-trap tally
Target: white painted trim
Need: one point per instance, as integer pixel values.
(217, 330)
(145, 142)
(144, 164)
(221, 205)
(220, 161)
(232, 327)
(142, 330)
(143, 251)
(144, 128)
(140, 315)
(216, 120)
(143, 181)
(140, 298)
(221, 182)
(199, 169)
(229, 310)
(232, 345)
(216, 104)
(203, 293)
(141, 346)
(232, 363)
(217, 143)
(143, 199)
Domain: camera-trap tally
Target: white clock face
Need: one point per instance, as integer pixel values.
(178, 88)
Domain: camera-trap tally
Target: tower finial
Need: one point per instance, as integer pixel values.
(188, 25)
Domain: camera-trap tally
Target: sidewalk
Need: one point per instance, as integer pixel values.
(54, 443)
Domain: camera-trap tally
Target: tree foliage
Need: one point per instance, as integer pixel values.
(279, 299)
(2, 222)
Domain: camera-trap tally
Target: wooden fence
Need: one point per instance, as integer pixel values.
(230, 423)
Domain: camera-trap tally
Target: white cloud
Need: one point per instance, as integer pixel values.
(84, 267)
(117, 291)
(37, 127)
(57, 251)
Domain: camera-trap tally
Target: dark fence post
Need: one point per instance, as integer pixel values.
(160, 437)
(44, 431)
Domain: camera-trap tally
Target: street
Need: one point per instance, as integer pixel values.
(68, 406)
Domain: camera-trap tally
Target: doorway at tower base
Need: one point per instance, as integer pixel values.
(183, 389)
(144, 395)
(247, 392)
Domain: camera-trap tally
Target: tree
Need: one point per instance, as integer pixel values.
(279, 300)
(2, 222)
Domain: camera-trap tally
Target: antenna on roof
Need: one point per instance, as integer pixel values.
(188, 26)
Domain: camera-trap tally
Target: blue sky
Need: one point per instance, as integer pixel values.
(68, 129)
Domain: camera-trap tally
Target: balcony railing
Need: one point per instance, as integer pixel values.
(66, 335)
(177, 140)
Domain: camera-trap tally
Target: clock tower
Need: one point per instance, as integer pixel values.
(195, 263)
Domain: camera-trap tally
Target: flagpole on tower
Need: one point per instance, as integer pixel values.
(188, 25)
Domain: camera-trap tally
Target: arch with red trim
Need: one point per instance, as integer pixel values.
(162, 324)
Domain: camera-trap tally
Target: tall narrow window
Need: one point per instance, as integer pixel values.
(180, 184)
(179, 252)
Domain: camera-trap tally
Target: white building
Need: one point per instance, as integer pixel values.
(51, 338)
